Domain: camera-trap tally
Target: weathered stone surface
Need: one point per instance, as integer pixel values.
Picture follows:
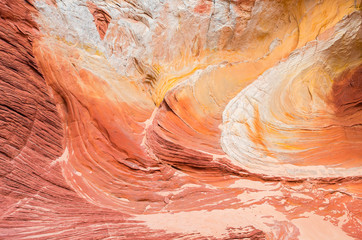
(180, 119)
(298, 114)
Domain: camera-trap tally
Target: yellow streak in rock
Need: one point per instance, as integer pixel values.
(310, 20)
(321, 16)
(178, 70)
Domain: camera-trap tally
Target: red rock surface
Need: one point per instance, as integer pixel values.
(101, 18)
(118, 120)
(36, 202)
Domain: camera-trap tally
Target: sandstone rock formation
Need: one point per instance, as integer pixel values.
(180, 119)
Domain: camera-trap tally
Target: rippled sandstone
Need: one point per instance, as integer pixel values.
(180, 119)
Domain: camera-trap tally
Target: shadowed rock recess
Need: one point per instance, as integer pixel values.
(180, 119)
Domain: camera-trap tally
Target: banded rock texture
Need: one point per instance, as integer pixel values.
(180, 119)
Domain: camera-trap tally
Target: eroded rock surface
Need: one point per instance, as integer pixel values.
(180, 119)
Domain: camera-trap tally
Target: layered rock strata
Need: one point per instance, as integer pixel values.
(180, 119)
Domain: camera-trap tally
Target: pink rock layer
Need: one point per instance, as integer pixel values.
(86, 153)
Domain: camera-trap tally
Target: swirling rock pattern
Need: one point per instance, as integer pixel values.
(299, 119)
(180, 119)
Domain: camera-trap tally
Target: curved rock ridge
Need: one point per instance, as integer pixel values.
(180, 119)
(292, 121)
